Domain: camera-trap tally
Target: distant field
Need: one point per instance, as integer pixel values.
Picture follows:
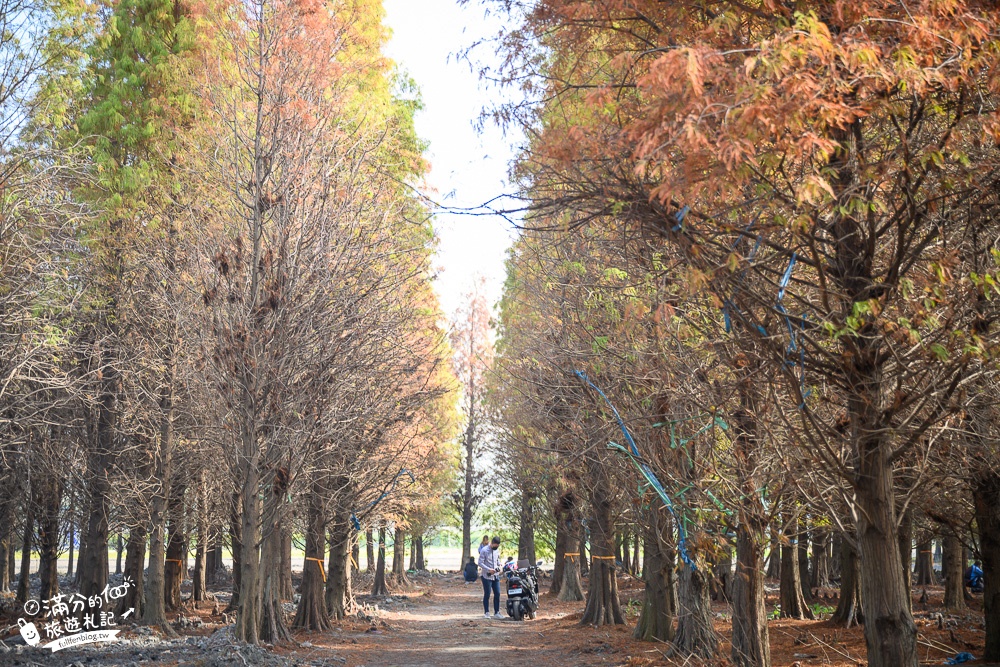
(437, 558)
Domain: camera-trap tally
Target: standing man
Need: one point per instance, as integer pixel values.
(489, 565)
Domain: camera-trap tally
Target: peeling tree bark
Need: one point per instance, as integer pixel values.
(603, 605)
(311, 613)
(174, 572)
(272, 621)
(563, 504)
(656, 619)
(339, 596)
(135, 556)
(695, 634)
(571, 586)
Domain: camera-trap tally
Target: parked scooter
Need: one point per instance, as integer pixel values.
(522, 590)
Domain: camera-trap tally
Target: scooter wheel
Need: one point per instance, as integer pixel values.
(518, 612)
(530, 614)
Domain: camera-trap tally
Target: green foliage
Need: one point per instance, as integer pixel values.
(137, 93)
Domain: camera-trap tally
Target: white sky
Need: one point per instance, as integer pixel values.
(467, 168)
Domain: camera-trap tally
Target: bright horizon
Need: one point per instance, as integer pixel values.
(468, 168)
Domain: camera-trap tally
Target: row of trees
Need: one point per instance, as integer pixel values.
(767, 232)
(216, 301)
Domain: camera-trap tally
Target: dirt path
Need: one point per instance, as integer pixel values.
(445, 628)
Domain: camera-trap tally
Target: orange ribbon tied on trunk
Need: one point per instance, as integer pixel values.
(319, 562)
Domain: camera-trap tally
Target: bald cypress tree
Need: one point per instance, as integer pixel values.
(138, 99)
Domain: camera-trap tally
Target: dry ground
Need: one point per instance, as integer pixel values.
(437, 621)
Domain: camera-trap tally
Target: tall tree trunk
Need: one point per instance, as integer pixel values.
(210, 560)
(213, 559)
(619, 557)
(200, 592)
(774, 555)
(636, 562)
(890, 634)
(571, 588)
(418, 548)
(750, 642)
(369, 551)
(413, 553)
(695, 634)
(906, 551)
(175, 572)
(954, 572)
(272, 620)
(6, 546)
(564, 503)
(467, 499)
(721, 587)
(135, 558)
(849, 612)
(311, 613)
(656, 619)
(92, 569)
(792, 603)
(236, 548)
(11, 552)
(821, 563)
(802, 550)
(339, 596)
(286, 589)
(379, 587)
(603, 605)
(72, 540)
(526, 531)
(119, 550)
(29, 530)
(986, 499)
(399, 558)
(49, 502)
(248, 610)
(154, 607)
(925, 564)
(558, 562)
(81, 555)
